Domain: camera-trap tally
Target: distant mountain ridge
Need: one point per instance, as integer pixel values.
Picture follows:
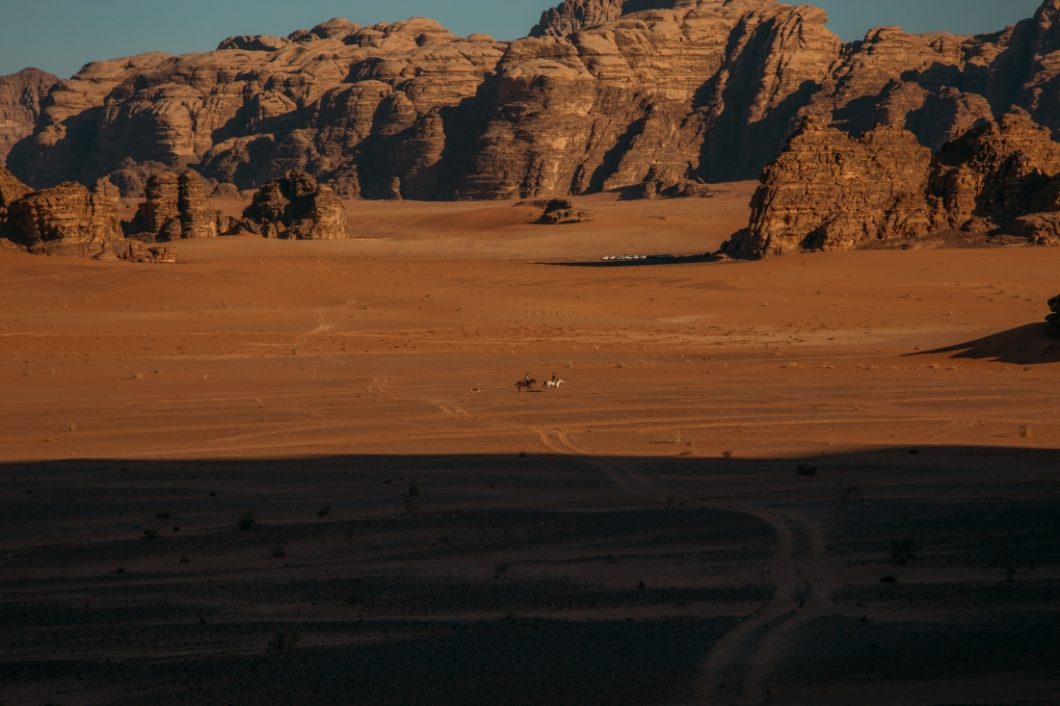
(605, 94)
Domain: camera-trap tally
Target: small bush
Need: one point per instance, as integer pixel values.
(163, 515)
(150, 533)
(807, 471)
(283, 640)
(889, 578)
(324, 511)
(904, 551)
(246, 521)
(279, 551)
(501, 569)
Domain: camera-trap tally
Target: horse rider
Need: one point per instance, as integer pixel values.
(526, 380)
(554, 378)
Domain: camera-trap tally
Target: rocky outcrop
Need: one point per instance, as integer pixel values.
(830, 191)
(606, 95)
(175, 208)
(562, 212)
(357, 104)
(296, 207)
(20, 105)
(11, 190)
(984, 180)
(69, 219)
(571, 16)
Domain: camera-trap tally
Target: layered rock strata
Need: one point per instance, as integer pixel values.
(11, 190)
(69, 219)
(21, 95)
(828, 191)
(296, 207)
(607, 94)
(175, 207)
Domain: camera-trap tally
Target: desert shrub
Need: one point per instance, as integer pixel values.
(246, 521)
(904, 551)
(283, 640)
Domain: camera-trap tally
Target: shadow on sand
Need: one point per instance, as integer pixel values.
(476, 580)
(1033, 344)
(647, 261)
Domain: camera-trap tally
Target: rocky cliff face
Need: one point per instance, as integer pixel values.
(358, 105)
(296, 207)
(830, 191)
(571, 16)
(20, 105)
(11, 190)
(69, 219)
(605, 94)
(994, 174)
(175, 207)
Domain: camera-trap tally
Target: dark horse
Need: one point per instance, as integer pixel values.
(527, 385)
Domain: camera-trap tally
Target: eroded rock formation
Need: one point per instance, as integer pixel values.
(607, 94)
(296, 207)
(11, 190)
(830, 191)
(20, 105)
(69, 219)
(571, 16)
(175, 207)
(994, 174)
(358, 105)
(563, 212)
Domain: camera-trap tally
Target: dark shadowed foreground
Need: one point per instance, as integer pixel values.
(913, 576)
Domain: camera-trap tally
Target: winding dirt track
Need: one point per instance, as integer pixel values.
(737, 669)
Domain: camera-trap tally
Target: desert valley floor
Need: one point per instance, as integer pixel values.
(814, 480)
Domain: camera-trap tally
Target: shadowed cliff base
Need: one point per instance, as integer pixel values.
(914, 575)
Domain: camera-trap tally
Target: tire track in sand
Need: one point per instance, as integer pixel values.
(737, 668)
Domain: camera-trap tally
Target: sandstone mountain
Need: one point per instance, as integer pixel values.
(606, 94)
(20, 104)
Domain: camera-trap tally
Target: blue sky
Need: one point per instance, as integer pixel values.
(62, 35)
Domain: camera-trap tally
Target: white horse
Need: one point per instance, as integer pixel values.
(554, 384)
